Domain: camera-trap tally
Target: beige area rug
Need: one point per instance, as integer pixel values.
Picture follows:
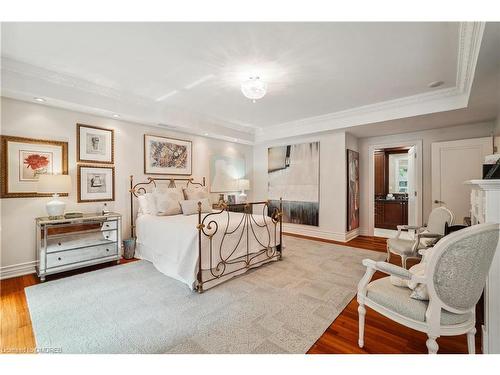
(283, 307)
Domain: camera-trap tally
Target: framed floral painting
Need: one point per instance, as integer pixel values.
(167, 155)
(96, 183)
(23, 160)
(94, 144)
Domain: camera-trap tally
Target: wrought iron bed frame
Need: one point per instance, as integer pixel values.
(207, 227)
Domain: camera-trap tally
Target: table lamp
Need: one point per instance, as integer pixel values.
(243, 185)
(54, 184)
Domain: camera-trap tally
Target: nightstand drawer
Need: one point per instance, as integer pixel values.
(108, 225)
(81, 255)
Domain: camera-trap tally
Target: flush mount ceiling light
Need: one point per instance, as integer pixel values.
(254, 88)
(40, 100)
(116, 116)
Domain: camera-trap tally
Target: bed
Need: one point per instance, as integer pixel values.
(206, 249)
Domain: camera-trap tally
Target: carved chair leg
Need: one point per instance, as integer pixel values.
(361, 314)
(432, 345)
(471, 342)
(403, 261)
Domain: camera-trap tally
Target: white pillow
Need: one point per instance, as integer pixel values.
(147, 204)
(167, 201)
(197, 192)
(190, 207)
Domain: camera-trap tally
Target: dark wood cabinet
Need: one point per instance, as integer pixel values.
(380, 178)
(390, 214)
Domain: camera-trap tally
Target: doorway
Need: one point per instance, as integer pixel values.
(395, 187)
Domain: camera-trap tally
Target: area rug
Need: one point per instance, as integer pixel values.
(282, 307)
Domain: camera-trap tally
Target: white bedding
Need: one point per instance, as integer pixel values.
(171, 242)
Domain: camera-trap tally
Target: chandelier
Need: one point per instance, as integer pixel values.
(254, 88)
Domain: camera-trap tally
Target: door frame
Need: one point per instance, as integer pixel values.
(418, 144)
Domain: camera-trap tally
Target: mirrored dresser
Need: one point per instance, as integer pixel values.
(66, 244)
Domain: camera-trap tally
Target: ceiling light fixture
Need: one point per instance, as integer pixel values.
(40, 100)
(435, 84)
(254, 88)
(116, 116)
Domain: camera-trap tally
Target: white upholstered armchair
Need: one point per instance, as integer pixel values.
(423, 236)
(455, 275)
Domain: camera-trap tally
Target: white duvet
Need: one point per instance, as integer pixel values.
(171, 242)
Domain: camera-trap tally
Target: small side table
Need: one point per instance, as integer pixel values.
(66, 244)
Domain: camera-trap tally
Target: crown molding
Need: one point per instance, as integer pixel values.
(24, 81)
(456, 97)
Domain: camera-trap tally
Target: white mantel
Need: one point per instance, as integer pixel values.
(485, 208)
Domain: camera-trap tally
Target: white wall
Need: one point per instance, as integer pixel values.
(332, 198)
(40, 121)
(475, 130)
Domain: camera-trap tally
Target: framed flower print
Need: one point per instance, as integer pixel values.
(167, 155)
(23, 160)
(96, 183)
(94, 144)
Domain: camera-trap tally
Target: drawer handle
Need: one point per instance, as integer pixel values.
(107, 237)
(59, 243)
(59, 258)
(107, 225)
(107, 249)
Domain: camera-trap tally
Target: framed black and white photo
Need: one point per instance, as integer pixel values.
(167, 155)
(94, 144)
(96, 183)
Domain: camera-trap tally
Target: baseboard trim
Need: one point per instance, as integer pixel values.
(319, 234)
(19, 269)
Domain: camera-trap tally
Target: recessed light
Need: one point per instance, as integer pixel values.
(40, 100)
(116, 116)
(235, 139)
(206, 134)
(435, 84)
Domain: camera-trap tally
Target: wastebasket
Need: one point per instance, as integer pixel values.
(129, 248)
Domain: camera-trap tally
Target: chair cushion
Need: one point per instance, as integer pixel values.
(398, 299)
(401, 246)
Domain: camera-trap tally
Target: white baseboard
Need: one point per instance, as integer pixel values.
(20, 269)
(319, 233)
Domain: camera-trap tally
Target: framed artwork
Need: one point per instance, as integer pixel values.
(167, 155)
(352, 190)
(231, 199)
(225, 172)
(96, 183)
(23, 160)
(94, 145)
(293, 174)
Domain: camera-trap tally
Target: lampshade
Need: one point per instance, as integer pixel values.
(54, 183)
(243, 184)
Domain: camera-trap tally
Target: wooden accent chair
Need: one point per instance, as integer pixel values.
(455, 275)
(424, 237)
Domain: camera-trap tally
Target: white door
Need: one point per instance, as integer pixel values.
(412, 192)
(453, 163)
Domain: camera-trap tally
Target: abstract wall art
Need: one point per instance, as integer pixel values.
(352, 190)
(293, 175)
(167, 155)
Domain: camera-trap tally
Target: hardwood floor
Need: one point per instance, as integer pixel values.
(381, 334)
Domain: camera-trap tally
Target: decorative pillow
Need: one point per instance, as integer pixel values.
(419, 291)
(197, 192)
(167, 201)
(147, 204)
(190, 207)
